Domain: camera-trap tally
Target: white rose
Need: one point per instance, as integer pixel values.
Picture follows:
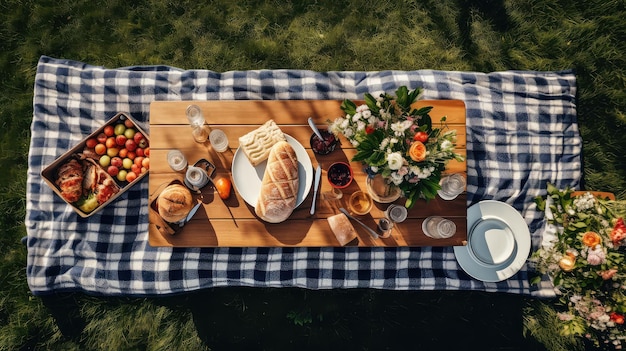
(395, 160)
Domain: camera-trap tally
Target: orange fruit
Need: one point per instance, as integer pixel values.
(223, 186)
(417, 151)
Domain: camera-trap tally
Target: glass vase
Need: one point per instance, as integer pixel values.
(382, 190)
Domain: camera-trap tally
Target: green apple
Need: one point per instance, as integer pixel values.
(127, 163)
(129, 133)
(105, 161)
(120, 128)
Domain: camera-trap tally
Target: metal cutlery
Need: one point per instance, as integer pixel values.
(318, 175)
(368, 229)
(315, 130)
(193, 211)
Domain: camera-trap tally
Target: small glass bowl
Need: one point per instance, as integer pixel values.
(340, 175)
(326, 146)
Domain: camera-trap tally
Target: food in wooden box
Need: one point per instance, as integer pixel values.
(70, 180)
(342, 228)
(279, 188)
(84, 183)
(256, 144)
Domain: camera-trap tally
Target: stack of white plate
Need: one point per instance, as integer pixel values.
(498, 242)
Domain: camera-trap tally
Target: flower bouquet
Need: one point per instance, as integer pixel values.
(586, 263)
(398, 142)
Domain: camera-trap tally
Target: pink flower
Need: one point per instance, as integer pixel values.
(596, 256)
(608, 274)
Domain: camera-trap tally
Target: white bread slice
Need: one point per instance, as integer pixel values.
(257, 144)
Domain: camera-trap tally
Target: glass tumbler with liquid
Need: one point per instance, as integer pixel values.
(360, 203)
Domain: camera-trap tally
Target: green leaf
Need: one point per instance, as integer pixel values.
(348, 107)
(371, 102)
(402, 98)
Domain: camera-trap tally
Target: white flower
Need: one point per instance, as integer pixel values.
(384, 143)
(447, 145)
(360, 125)
(356, 117)
(400, 127)
(345, 123)
(367, 113)
(396, 178)
(395, 160)
(363, 108)
(374, 169)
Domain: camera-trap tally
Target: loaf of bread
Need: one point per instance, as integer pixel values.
(279, 188)
(256, 144)
(174, 203)
(342, 228)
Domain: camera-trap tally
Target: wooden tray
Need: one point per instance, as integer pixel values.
(233, 223)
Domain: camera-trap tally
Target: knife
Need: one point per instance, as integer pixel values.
(190, 215)
(318, 175)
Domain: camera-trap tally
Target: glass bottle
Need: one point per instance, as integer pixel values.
(200, 131)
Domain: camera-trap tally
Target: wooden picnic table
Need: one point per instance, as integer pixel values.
(233, 223)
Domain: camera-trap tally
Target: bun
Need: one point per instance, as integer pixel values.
(256, 144)
(279, 188)
(342, 228)
(174, 203)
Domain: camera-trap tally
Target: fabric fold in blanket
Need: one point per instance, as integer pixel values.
(521, 134)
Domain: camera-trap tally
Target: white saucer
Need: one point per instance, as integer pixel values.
(498, 242)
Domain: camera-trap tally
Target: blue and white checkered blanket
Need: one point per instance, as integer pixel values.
(521, 134)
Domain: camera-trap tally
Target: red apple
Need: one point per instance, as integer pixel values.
(91, 143)
(113, 171)
(128, 123)
(131, 145)
(139, 152)
(120, 140)
(109, 130)
(137, 137)
(102, 138)
(116, 161)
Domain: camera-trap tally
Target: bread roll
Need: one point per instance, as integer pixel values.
(174, 203)
(279, 188)
(256, 144)
(342, 228)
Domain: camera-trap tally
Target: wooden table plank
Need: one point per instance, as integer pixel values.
(232, 223)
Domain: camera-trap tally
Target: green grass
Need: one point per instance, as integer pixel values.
(324, 35)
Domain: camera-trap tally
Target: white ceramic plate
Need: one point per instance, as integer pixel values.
(498, 242)
(247, 178)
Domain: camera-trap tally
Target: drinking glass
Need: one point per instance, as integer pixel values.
(438, 227)
(396, 213)
(360, 203)
(176, 160)
(452, 186)
(218, 140)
